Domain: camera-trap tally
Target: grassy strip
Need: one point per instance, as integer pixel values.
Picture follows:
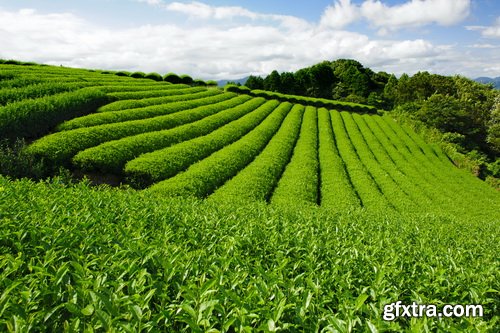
(141, 113)
(337, 192)
(59, 148)
(257, 181)
(165, 163)
(363, 182)
(33, 117)
(183, 95)
(111, 157)
(299, 182)
(202, 178)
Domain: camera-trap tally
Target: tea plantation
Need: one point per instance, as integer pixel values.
(239, 211)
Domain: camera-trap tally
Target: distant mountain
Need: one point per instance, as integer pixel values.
(487, 80)
(242, 81)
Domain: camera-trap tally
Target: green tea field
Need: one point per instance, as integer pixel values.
(229, 211)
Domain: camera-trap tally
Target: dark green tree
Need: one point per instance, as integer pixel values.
(273, 82)
(255, 82)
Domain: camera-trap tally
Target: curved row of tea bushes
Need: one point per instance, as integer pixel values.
(203, 177)
(451, 179)
(385, 183)
(393, 182)
(428, 194)
(187, 94)
(102, 118)
(337, 192)
(363, 182)
(134, 90)
(31, 118)
(165, 91)
(317, 102)
(58, 148)
(37, 91)
(299, 182)
(110, 157)
(257, 181)
(166, 163)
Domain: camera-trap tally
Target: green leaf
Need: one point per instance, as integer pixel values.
(360, 301)
(88, 310)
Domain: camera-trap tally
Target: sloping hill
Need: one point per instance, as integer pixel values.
(195, 141)
(259, 213)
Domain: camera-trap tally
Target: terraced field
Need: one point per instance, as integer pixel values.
(306, 209)
(194, 141)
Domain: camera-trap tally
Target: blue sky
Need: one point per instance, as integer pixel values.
(222, 39)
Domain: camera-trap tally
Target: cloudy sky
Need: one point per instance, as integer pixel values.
(219, 39)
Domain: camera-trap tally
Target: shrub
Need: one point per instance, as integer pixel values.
(172, 78)
(138, 75)
(165, 163)
(31, 118)
(212, 83)
(154, 76)
(199, 83)
(186, 79)
(202, 178)
(140, 113)
(122, 73)
(258, 179)
(15, 163)
(58, 148)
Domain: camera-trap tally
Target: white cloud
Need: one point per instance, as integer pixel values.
(213, 51)
(201, 10)
(492, 31)
(484, 46)
(412, 13)
(415, 13)
(342, 13)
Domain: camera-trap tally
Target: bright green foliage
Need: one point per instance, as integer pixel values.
(33, 117)
(185, 95)
(202, 178)
(99, 258)
(299, 182)
(112, 156)
(362, 213)
(165, 90)
(165, 163)
(142, 113)
(336, 190)
(257, 181)
(388, 187)
(37, 90)
(366, 187)
(59, 148)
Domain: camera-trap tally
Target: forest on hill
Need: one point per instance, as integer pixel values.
(462, 114)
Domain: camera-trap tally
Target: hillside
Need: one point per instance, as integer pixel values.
(241, 211)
